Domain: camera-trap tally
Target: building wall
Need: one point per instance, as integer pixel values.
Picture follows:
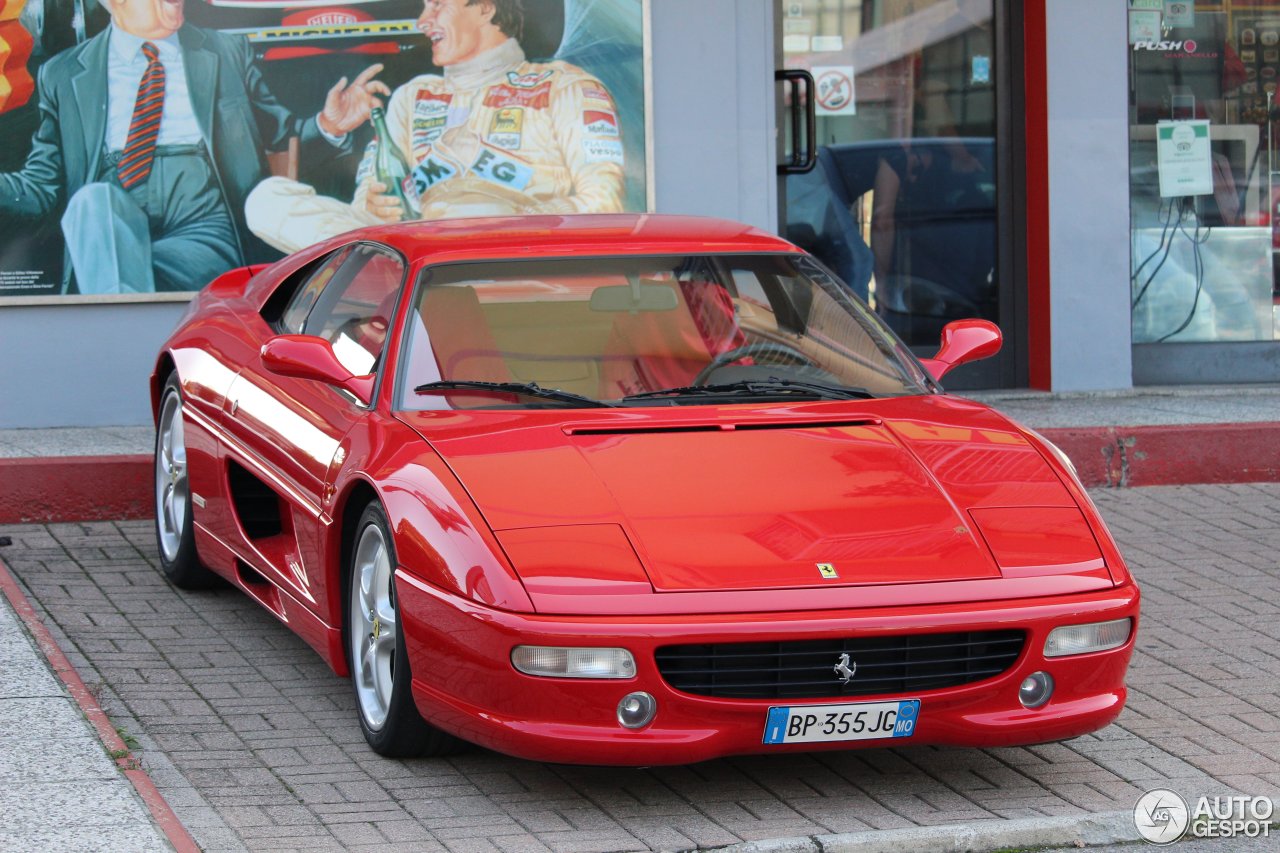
(1089, 195)
(714, 146)
(80, 365)
(712, 119)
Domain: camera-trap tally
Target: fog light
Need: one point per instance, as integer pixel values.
(559, 662)
(1082, 639)
(1035, 690)
(636, 710)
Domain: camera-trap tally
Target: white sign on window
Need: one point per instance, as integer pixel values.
(1179, 13)
(835, 90)
(795, 44)
(1144, 25)
(1183, 158)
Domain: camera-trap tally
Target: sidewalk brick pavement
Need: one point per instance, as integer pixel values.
(253, 740)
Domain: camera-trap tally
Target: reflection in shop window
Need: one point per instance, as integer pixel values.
(902, 202)
(1204, 186)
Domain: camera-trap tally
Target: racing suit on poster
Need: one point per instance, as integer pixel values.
(494, 135)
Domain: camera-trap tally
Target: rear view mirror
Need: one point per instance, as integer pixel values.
(634, 297)
(962, 342)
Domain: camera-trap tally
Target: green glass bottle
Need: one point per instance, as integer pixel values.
(391, 168)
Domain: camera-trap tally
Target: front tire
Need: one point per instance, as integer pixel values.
(175, 527)
(376, 652)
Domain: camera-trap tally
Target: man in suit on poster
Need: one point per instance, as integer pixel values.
(152, 133)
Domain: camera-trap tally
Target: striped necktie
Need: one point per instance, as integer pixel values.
(144, 127)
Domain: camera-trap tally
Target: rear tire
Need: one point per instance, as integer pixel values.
(376, 652)
(175, 525)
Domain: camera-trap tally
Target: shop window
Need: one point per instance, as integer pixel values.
(1204, 186)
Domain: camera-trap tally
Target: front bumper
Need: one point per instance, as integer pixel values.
(464, 683)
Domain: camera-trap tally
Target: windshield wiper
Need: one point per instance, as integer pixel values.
(758, 388)
(530, 389)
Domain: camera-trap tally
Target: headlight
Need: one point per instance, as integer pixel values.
(1082, 639)
(558, 662)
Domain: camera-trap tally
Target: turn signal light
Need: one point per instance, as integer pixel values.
(1082, 639)
(560, 662)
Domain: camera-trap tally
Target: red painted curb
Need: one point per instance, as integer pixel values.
(96, 488)
(1172, 455)
(75, 488)
(161, 812)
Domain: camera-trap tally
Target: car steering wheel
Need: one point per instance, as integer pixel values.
(760, 348)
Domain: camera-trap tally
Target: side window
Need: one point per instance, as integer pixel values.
(353, 313)
(305, 295)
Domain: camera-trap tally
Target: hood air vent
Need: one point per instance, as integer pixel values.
(788, 424)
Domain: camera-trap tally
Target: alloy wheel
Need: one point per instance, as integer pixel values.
(172, 494)
(373, 626)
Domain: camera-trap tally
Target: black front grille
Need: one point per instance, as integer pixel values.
(805, 669)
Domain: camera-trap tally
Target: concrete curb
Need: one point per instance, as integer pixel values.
(161, 812)
(973, 837)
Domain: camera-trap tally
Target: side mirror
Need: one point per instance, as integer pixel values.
(309, 357)
(964, 341)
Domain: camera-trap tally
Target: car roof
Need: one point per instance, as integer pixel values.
(559, 236)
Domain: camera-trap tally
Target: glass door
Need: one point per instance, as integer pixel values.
(903, 200)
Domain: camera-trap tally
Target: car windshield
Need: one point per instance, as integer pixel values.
(644, 331)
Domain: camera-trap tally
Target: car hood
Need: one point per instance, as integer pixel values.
(758, 497)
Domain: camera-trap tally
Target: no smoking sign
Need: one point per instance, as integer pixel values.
(835, 90)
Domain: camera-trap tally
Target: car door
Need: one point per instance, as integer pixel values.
(283, 432)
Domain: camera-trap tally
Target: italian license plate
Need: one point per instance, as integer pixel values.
(849, 721)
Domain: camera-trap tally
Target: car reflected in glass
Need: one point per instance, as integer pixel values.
(910, 224)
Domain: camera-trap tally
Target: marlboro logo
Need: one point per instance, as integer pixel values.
(600, 123)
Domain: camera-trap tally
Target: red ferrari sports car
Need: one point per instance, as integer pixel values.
(629, 490)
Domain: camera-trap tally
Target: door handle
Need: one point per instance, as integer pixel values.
(803, 115)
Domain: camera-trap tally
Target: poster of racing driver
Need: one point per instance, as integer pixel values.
(577, 143)
(491, 129)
